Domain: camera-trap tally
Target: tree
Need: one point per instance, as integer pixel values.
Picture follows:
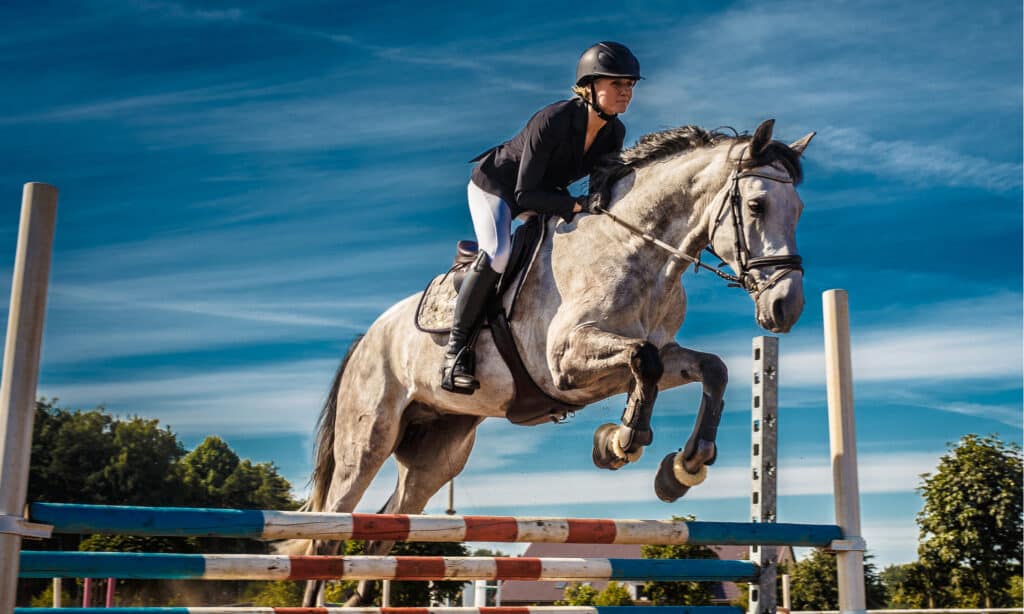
(814, 585)
(971, 521)
(577, 594)
(95, 457)
(206, 470)
(215, 476)
(614, 594)
(679, 593)
(92, 457)
(916, 586)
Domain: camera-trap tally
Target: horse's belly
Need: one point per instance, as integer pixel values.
(492, 399)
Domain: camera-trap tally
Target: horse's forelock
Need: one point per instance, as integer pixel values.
(777, 151)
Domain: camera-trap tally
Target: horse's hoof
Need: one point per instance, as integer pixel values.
(604, 447)
(630, 457)
(666, 486)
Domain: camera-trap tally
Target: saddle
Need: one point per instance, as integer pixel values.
(434, 314)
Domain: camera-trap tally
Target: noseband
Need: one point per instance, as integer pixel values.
(745, 279)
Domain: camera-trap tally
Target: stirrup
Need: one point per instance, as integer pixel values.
(457, 374)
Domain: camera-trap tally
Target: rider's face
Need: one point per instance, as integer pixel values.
(613, 95)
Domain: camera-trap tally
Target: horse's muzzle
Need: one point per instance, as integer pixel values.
(779, 307)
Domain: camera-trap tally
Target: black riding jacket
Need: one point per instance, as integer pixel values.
(531, 171)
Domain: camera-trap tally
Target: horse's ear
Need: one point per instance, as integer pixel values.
(801, 145)
(762, 136)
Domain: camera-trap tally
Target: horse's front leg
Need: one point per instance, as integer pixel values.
(590, 354)
(681, 470)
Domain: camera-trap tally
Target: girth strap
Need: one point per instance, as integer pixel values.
(531, 405)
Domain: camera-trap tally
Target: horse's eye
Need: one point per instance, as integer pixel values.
(756, 205)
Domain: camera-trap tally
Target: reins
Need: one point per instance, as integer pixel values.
(786, 263)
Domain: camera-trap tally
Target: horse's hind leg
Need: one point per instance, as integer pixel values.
(589, 354)
(681, 470)
(429, 454)
(363, 440)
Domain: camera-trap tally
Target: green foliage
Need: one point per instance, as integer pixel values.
(97, 458)
(814, 585)
(274, 594)
(214, 474)
(579, 595)
(679, 593)
(813, 582)
(45, 598)
(971, 522)
(915, 586)
(92, 457)
(614, 594)
(1015, 592)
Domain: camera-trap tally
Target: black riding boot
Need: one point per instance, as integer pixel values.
(459, 359)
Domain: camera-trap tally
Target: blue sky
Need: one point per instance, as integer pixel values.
(245, 187)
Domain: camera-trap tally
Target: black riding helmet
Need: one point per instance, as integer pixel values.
(606, 59)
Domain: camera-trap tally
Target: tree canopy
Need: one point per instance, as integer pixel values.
(971, 521)
(97, 458)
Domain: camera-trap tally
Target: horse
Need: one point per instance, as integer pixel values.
(598, 314)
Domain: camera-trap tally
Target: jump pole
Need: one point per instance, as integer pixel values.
(21, 375)
(623, 609)
(842, 441)
(160, 566)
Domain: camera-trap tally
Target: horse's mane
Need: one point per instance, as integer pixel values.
(660, 145)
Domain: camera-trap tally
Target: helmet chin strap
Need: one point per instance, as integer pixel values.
(593, 104)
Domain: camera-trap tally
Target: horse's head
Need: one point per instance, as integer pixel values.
(752, 225)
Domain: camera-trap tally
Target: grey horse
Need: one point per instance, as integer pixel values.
(598, 316)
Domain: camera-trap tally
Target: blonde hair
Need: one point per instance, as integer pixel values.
(581, 91)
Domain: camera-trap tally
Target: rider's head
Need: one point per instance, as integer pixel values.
(605, 75)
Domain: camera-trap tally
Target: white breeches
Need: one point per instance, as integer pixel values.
(492, 222)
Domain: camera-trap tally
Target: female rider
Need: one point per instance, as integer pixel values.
(530, 173)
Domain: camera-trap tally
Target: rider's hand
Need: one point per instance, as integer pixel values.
(587, 202)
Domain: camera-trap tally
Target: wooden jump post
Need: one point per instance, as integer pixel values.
(21, 374)
(843, 443)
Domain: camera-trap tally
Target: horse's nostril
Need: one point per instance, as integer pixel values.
(779, 310)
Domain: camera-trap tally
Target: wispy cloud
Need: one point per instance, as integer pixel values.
(852, 150)
(177, 10)
(757, 48)
(895, 473)
(976, 338)
(271, 398)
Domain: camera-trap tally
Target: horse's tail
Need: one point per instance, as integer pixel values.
(323, 466)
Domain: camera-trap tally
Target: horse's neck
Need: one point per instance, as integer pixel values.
(670, 201)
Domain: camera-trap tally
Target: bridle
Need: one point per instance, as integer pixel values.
(784, 264)
(731, 203)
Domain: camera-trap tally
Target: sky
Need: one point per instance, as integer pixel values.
(244, 187)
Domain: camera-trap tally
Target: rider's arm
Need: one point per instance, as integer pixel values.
(542, 133)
